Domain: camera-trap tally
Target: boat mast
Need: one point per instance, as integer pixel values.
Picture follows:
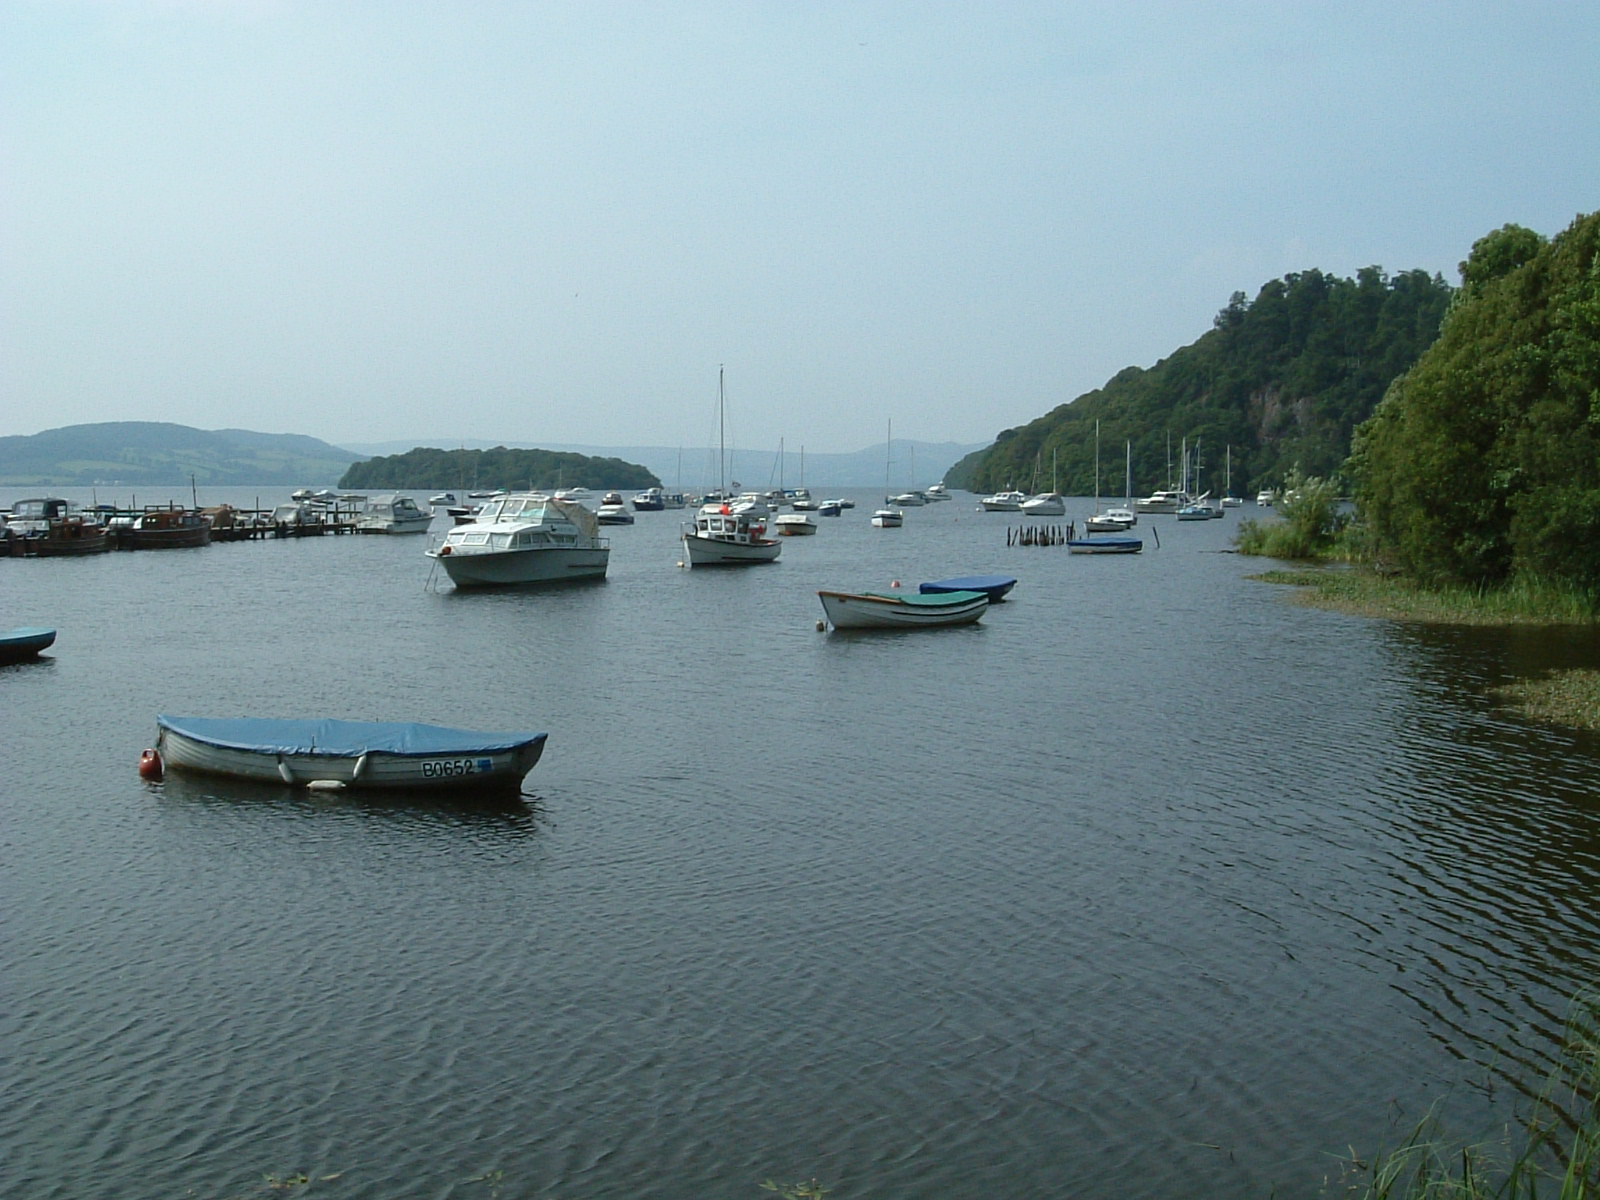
(722, 439)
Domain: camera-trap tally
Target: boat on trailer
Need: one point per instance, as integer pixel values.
(904, 610)
(334, 754)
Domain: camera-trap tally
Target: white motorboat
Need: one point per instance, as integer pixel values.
(830, 508)
(1264, 497)
(888, 518)
(1168, 501)
(795, 524)
(1006, 501)
(393, 514)
(613, 510)
(1112, 520)
(524, 537)
(911, 499)
(936, 491)
(1047, 504)
(902, 610)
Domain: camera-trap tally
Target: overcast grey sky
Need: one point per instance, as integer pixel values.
(552, 221)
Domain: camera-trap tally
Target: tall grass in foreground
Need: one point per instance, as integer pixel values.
(1521, 602)
(1555, 1155)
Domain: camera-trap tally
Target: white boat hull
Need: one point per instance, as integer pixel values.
(795, 525)
(849, 610)
(501, 568)
(714, 552)
(476, 771)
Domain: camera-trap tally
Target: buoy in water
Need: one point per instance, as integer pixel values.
(150, 766)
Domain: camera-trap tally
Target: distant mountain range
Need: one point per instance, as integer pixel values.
(158, 453)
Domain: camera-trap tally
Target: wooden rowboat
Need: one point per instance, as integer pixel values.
(348, 754)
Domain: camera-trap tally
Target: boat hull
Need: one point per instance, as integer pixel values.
(507, 568)
(870, 610)
(995, 587)
(1105, 545)
(714, 552)
(20, 645)
(498, 766)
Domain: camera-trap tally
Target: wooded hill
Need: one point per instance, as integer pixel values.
(1482, 464)
(152, 453)
(429, 469)
(1279, 382)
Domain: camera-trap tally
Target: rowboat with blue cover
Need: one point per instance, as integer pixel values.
(21, 644)
(1105, 545)
(902, 610)
(995, 586)
(348, 754)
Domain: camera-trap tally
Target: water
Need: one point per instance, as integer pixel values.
(1152, 883)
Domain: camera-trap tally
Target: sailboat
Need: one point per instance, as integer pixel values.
(728, 533)
(1050, 504)
(1229, 500)
(1101, 524)
(1112, 520)
(888, 517)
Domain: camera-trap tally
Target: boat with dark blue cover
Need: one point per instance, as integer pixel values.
(993, 586)
(348, 754)
(21, 644)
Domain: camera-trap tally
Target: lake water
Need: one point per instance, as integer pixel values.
(1152, 883)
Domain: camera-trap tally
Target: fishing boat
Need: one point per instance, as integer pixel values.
(393, 514)
(729, 534)
(995, 587)
(347, 754)
(915, 610)
(524, 537)
(24, 643)
(1110, 544)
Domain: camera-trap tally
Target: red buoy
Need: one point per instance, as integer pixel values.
(150, 766)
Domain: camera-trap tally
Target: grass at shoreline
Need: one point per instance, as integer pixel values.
(1568, 697)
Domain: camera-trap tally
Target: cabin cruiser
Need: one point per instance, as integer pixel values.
(1169, 501)
(393, 514)
(1006, 501)
(524, 537)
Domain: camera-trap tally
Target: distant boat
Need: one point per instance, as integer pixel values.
(393, 513)
(1264, 497)
(1105, 545)
(887, 517)
(348, 754)
(613, 510)
(728, 534)
(936, 491)
(796, 524)
(1051, 503)
(162, 529)
(996, 587)
(1006, 501)
(24, 643)
(652, 499)
(830, 508)
(524, 537)
(52, 527)
(879, 610)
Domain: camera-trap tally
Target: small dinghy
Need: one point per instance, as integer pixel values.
(347, 754)
(20, 645)
(994, 586)
(879, 610)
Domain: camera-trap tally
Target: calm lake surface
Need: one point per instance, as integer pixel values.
(1150, 884)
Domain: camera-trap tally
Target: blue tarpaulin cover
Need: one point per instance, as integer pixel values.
(996, 585)
(267, 735)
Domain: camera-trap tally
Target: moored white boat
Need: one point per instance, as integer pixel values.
(795, 524)
(1167, 501)
(1111, 520)
(729, 535)
(1047, 504)
(880, 610)
(393, 514)
(613, 510)
(888, 518)
(1006, 501)
(524, 537)
(348, 754)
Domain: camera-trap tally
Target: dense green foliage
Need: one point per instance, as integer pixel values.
(152, 453)
(1482, 464)
(1278, 383)
(1312, 521)
(426, 468)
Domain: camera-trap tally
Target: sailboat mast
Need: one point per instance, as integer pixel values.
(722, 437)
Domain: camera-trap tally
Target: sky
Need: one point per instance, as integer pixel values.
(556, 221)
